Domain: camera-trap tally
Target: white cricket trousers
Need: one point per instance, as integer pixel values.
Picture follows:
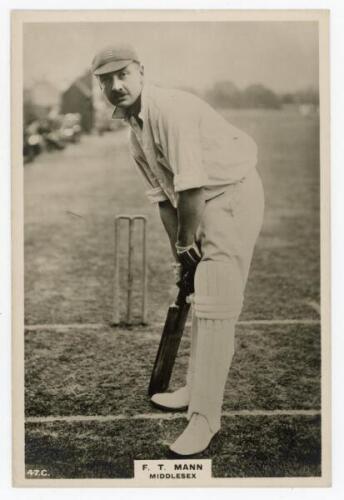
(230, 225)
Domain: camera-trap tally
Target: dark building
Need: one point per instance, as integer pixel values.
(78, 99)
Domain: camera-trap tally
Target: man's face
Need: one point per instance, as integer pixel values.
(123, 87)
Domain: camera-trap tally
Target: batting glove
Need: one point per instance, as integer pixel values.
(177, 271)
(188, 256)
(186, 282)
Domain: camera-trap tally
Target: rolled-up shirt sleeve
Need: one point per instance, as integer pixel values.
(154, 193)
(181, 143)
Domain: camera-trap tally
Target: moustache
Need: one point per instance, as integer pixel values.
(115, 95)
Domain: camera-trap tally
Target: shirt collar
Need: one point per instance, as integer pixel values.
(122, 114)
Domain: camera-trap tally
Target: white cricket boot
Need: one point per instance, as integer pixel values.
(177, 400)
(195, 438)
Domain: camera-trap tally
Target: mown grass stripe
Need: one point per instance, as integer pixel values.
(166, 416)
(99, 326)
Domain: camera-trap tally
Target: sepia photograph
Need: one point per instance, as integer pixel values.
(171, 248)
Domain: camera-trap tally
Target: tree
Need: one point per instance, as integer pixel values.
(258, 96)
(224, 94)
(308, 95)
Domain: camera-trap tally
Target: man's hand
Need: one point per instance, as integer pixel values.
(183, 279)
(177, 271)
(187, 283)
(188, 257)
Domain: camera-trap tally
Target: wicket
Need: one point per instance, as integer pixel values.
(141, 219)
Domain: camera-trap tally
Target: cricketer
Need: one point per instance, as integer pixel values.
(201, 172)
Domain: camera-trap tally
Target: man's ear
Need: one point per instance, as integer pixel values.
(142, 70)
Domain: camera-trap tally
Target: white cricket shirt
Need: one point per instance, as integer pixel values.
(184, 143)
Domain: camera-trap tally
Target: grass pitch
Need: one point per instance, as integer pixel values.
(107, 372)
(245, 447)
(71, 198)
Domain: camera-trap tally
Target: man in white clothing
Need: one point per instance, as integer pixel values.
(201, 171)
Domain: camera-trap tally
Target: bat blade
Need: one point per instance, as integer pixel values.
(169, 343)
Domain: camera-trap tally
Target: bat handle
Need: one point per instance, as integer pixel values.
(181, 298)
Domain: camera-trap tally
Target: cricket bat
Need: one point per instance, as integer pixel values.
(169, 344)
